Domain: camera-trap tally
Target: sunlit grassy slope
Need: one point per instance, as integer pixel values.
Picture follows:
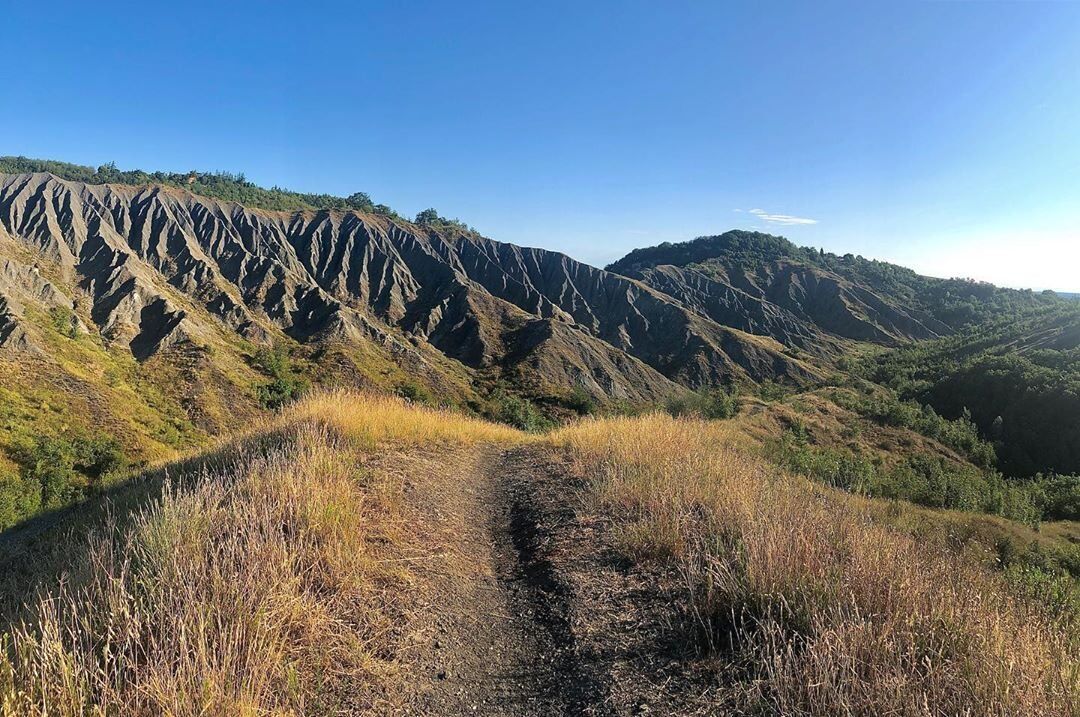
(254, 588)
(264, 581)
(822, 609)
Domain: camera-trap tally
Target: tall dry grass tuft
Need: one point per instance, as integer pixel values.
(370, 419)
(817, 609)
(251, 593)
(257, 589)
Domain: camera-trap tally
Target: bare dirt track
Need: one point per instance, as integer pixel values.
(529, 609)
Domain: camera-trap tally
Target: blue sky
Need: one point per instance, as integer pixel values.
(945, 136)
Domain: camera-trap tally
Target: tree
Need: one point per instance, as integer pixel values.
(359, 201)
(427, 217)
(108, 171)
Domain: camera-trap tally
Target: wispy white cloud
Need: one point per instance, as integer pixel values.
(781, 219)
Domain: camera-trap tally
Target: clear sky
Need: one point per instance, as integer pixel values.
(943, 136)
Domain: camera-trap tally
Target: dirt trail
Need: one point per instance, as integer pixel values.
(531, 612)
(500, 638)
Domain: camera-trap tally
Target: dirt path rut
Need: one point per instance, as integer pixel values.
(501, 641)
(529, 610)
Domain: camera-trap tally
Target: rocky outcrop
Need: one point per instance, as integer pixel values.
(22, 285)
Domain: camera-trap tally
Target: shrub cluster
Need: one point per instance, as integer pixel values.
(712, 404)
(54, 472)
(960, 434)
(415, 392)
(286, 385)
(516, 411)
(930, 481)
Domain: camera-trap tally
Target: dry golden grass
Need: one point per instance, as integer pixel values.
(265, 588)
(373, 418)
(261, 589)
(251, 593)
(824, 611)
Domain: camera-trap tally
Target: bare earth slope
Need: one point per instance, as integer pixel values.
(151, 267)
(754, 282)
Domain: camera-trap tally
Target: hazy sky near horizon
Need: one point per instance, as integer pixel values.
(942, 136)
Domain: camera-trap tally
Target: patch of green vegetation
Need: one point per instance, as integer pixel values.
(515, 411)
(773, 391)
(930, 481)
(1028, 575)
(431, 218)
(286, 384)
(712, 404)
(580, 401)
(55, 471)
(1058, 497)
(416, 392)
(19, 498)
(1007, 376)
(64, 322)
(960, 434)
(225, 186)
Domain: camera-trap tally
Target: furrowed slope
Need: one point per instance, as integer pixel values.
(141, 255)
(765, 284)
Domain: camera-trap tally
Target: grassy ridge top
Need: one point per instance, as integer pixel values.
(225, 186)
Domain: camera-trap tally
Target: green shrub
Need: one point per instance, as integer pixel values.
(1058, 497)
(64, 322)
(56, 471)
(930, 481)
(1057, 591)
(711, 404)
(772, 391)
(50, 463)
(580, 401)
(961, 434)
(415, 392)
(99, 457)
(517, 412)
(18, 499)
(840, 469)
(285, 385)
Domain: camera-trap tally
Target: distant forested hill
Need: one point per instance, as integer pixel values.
(1019, 377)
(1009, 357)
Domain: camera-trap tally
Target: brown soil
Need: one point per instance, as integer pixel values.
(527, 608)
